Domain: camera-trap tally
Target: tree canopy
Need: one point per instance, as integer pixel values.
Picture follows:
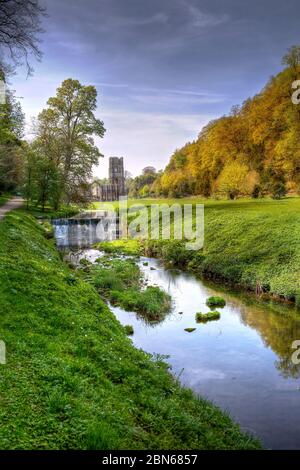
(255, 150)
(64, 146)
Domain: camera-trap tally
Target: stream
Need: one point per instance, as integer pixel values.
(242, 362)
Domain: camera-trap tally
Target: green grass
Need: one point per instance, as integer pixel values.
(215, 302)
(205, 317)
(49, 213)
(4, 198)
(120, 281)
(251, 243)
(73, 379)
(127, 247)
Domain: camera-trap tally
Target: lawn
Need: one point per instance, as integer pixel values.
(72, 378)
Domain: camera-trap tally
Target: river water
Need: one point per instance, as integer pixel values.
(241, 362)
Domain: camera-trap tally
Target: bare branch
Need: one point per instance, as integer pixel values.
(20, 26)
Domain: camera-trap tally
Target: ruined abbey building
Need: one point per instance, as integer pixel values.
(116, 186)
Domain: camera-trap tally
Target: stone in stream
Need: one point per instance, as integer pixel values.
(190, 330)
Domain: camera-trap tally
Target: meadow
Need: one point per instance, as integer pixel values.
(252, 243)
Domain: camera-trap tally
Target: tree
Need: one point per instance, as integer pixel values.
(262, 134)
(20, 24)
(149, 170)
(235, 179)
(11, 131)
(42, 179)
(292, 57)
(64, 135)
(146, 179)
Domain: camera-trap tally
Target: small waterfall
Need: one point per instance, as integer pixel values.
(84, 231)
(61, 233)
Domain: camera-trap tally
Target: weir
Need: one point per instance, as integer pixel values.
(85, 229)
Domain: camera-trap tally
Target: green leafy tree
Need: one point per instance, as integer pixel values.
(65, 135)
(11, 131)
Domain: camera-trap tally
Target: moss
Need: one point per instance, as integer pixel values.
(121, 282)
(85, 262)
(205, 317)
(129, 330)
(190, 330)
(215, 302)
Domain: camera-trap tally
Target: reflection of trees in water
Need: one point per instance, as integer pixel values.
(278, 331)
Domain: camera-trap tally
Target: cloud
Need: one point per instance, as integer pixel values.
(146, 138)
(174, 98)
(199, 19)
(113, 23)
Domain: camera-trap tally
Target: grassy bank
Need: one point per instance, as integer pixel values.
(72, 377)
(251, 243)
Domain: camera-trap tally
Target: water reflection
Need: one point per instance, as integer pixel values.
(277, 332)
(241, 362)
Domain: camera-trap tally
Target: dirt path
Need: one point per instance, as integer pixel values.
(10, 206)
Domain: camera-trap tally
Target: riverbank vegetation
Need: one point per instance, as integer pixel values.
(214, 302)
(122, 283)
(209, 316)
(250, 243)
(73, 379)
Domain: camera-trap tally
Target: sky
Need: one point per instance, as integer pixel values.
(162, 68)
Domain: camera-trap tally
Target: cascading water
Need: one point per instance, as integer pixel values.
(85, 230)
(61, 233)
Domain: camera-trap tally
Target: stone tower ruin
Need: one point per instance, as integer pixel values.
(116, 174)
(116, 186)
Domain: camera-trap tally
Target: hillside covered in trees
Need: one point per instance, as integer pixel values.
(253, 151)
